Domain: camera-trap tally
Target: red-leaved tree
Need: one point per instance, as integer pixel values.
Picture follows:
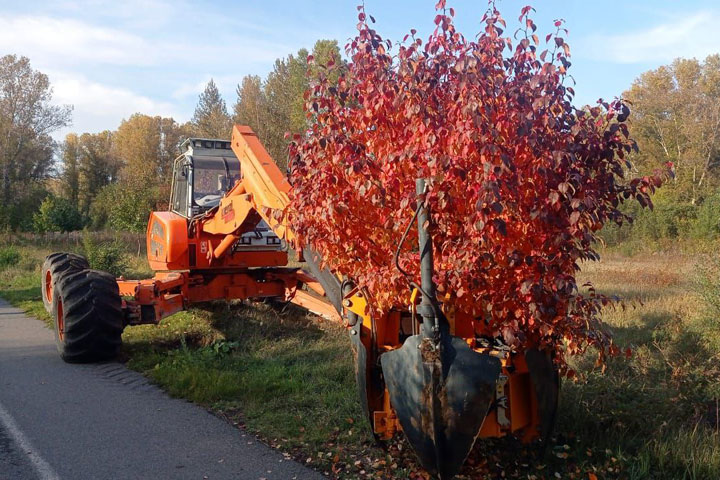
(520, 181)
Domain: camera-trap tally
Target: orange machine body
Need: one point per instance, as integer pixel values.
(171, 248)
(515, 408)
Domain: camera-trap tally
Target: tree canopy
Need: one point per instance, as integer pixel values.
(211, 119)
(27, 118)
(274, 107)
(676, 118)
(519, 180)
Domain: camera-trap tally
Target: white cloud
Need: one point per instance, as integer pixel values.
(56, 41)
(152, 13)
(47, 40)
(693, 36)
(111, 59)
(99, 107)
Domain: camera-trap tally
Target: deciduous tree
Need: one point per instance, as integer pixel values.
(251, 107)
(70, 175)
(97, 166)
(27, 118)
(146, 147)
(284, 89)
(676, 118)
(519, 180)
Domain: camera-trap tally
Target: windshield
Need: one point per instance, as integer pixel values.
(211, 181)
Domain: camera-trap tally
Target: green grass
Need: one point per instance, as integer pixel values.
(282, 376)
(288, 377)
(20, 281)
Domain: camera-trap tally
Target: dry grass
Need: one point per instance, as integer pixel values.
(654, 412)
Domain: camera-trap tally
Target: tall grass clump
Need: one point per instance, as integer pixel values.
(708, 283)
(9, 256)
(106, 256)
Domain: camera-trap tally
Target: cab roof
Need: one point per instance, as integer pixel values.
(207, 147)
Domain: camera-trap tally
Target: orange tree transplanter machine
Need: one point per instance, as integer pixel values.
(421, 368)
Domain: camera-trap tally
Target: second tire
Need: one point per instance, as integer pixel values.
(56, 265)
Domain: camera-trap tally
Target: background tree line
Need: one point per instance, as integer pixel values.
(112, 179)
(675, 117)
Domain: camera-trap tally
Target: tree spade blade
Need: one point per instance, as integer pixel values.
(441, 397)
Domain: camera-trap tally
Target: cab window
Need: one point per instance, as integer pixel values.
(180, 191)
(211, 180)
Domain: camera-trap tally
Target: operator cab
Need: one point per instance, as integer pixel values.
(205, 171)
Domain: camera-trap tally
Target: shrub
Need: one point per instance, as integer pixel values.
(106, 256)
(17, 214)
(121, 208)
(673, 217)
(100, 207)
(9, 256)
(57, 214)
(707, 221)
(519, 181)
(613, 234)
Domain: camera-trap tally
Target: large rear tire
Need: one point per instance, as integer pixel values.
(88, 316)
(56, 265)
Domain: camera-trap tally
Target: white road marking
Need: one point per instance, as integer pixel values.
(43, 468)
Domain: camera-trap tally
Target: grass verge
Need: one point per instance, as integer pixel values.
(287, 377)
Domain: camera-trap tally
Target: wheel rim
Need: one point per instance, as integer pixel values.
(48, 286)
(60, 321)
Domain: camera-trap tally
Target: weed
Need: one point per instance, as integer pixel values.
(108, 256)
(9, 256)
(708, 283)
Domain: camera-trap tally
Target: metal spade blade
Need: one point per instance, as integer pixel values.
(441, 397)
(440, 388)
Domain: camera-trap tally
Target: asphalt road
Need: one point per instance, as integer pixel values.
(75, 422)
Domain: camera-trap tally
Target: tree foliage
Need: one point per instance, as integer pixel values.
(70, 175)
(116, 178)
(146, 146)
(120, 207)
(211, 119)
(27, 118)
(676, 118)
(275, 107)
(519, 180)
(89, 163)
(57, 214)
(251, 106)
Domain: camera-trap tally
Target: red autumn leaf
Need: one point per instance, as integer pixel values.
(574, 217)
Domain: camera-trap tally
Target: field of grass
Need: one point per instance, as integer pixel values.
(287, 376)
(656, 413)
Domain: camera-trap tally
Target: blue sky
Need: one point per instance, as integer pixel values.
(113, 58)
